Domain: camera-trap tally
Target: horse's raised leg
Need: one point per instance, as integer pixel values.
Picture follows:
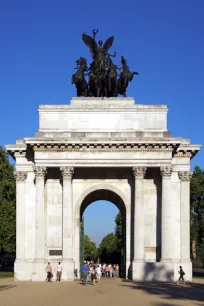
(78, 93)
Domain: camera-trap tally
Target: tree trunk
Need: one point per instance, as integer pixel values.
(194, 255)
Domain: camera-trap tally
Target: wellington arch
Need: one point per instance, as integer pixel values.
(103, 149)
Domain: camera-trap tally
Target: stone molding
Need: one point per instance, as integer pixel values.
(184, 154)
(39, 171)
(185, 176)
(139, 172)
(166, 171)
(104, 147)
(67, 172)
(20, 176)
(19, 154)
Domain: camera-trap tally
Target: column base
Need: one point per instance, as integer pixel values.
(34, 270)
(160, 271)
(38, 272)
(22, 270)
(68, 269)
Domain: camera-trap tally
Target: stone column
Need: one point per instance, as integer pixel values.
(40, 214)
(166, 222)
(185, 177)
(20, 215)
(68, 232)
(139, 173)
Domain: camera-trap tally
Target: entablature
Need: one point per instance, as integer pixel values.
(177, 146)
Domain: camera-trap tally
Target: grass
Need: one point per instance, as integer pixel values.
(3, 286)
(6, 274)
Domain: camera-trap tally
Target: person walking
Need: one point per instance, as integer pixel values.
(111, 271)
(93, 276)
(114, 271)
(117, 271)
(59, 272)
(181, 273)
(104, 270)
(84, 270)
(98, 273)
(48, 269)
(107, 271)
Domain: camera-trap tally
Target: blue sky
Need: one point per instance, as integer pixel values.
(162, 39)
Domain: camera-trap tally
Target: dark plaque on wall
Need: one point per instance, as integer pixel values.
(55, 252)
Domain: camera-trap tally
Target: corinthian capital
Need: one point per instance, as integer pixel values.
(67, 172)
(166, 171)
(185, 176)
(20, 176)
(139, 172)
(39, 171)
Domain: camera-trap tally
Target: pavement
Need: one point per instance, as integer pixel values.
(108, 292)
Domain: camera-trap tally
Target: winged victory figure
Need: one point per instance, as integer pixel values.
(99, 52)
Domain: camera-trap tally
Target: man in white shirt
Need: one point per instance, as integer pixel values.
(59, 272)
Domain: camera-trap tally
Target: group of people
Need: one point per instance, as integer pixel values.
(93, 272)
(49, 272)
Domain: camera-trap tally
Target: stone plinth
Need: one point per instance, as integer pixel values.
(103, 115)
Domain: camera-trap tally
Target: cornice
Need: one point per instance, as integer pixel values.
(103, 147)
(184, 154)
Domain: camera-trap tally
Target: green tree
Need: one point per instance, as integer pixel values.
(90, 249)
(108, 244)
(197, 213)
(7, 205)
(108, 249)
(119, 231)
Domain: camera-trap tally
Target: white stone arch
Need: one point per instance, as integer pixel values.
(79, 201)
(96, 187)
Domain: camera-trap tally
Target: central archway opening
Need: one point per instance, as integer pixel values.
(102, 200)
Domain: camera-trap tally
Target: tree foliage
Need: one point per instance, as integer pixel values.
(111, 245)
(119, 231)
(197, 213)
(108, 249)
(90, 249)
(7, 205)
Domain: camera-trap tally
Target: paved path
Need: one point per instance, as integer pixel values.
(109, 292)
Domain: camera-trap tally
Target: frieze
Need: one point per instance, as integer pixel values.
(104, 147)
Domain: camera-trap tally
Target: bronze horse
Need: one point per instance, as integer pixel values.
(78, 78)
(126, 76)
